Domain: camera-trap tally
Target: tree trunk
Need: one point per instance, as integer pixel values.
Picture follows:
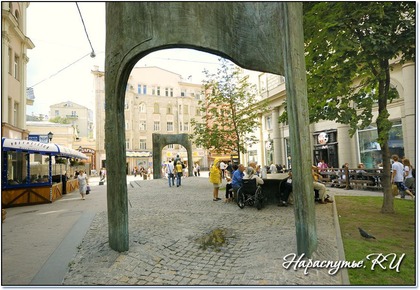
(384, 126)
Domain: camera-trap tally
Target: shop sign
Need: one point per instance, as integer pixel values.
(323, 138)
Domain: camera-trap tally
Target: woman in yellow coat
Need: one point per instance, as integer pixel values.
(216, 178)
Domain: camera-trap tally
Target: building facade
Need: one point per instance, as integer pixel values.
(156, 101)
(80, 117)
(331, 141)
(15, 44)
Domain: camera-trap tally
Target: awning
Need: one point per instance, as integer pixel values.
(41, 148)
(138, 154)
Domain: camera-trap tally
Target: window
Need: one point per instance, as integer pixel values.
(167, 92)
(369, 148)
(73, 113)
(171, 92)
(158, 91)
(10, 61)
(186, 109)
(142, 108)
(171, 146)
(153, 90)
(57, 113)
(169, 126)
(183, 92)
(144, 90)
(139, 89)
(15, 113)
(142, 126)
(16, 68)
(156, 108)
(156, 126)
(186, 127)
(169, 110)
(142, 145)
(268, 125)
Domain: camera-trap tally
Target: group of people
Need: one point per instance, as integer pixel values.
(402, 175)
(143, 172)
(234, 178)
(240, 172)
(174, 171)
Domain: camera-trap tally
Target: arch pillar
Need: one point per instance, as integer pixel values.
(160, 141)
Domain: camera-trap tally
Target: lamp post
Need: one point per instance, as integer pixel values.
(50, 136)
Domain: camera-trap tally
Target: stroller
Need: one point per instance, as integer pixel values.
(250, 193)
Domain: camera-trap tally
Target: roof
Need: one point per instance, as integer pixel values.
(41, 148)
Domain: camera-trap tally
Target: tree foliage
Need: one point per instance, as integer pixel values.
(230, 111)
(60, 120)
(348, 47)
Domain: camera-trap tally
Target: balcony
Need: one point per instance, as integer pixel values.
(72, 117)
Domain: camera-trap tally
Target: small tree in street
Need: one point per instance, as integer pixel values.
(230, 111)
(349, 47)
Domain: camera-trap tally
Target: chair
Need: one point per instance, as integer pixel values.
(249, 193)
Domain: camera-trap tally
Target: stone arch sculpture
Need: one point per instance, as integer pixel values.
(263, 36)
(160, 141)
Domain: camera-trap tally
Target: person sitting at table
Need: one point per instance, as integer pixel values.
(229, 189)
(237, 177)
(286, 189)
(250, 174)
(319, 186)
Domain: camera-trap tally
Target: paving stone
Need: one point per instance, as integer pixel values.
(164, 226)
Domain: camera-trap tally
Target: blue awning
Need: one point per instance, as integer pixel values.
(41, 148)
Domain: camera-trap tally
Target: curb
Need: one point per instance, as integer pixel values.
(340, 248)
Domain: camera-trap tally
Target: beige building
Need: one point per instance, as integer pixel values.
(14, 60)
(331, 141)
(156, 101)
(80, 117)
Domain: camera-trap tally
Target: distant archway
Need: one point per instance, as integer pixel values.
(160, 141)
(262, 36)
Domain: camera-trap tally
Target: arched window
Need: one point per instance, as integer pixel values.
(142, 108)
(169, 110)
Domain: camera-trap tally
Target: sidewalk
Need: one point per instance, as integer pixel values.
(66, 242)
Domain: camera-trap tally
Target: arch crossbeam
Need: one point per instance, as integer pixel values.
(262, 36)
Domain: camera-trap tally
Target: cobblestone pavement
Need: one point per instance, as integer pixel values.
(165, 224)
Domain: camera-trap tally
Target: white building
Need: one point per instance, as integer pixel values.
(331, 141)
(156, 101)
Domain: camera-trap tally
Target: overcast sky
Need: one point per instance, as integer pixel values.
(59, 65)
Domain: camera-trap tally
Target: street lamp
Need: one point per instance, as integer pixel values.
(50, 136)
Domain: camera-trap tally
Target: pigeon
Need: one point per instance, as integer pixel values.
(365, 234)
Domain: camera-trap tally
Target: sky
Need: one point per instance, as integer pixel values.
(59, 67)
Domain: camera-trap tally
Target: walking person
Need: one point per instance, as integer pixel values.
(215, 178)
(397, 176)
(83, 183)
(409, 180)
(178, 170)
(170, 172)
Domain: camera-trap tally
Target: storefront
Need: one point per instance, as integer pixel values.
(25, 181)
(326, 147)
(369, 149)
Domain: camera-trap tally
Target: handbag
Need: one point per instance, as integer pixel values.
(87, 189)
(394, 189)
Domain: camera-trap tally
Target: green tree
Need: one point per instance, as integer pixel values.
(60, 120)
(349, 46)
(230, 111)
